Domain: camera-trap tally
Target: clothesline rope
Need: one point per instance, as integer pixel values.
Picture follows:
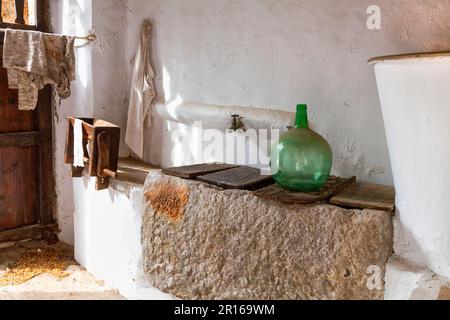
(90, 37)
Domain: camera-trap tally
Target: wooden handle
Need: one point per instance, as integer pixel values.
(103, 170)
(103, 141)
(110, 173)
(68, 153)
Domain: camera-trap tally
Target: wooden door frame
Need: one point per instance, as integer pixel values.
(44, 122)
(44, 119)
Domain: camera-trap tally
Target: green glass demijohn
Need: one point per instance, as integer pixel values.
(302, 159)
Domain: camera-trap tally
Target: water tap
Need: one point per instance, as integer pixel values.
(236, 123)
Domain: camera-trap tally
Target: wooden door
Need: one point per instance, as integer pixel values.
(26, 168)
(19, 161)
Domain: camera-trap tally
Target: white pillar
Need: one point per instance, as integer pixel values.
(415, 98)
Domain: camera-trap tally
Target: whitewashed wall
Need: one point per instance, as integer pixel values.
(277, 53)
(71, 17)
(101, 88)
(248, 53)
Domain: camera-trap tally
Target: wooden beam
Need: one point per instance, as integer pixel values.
(333, 186)
(19, 139)
(43, 121)
(46, 181)
(20, 10)
(43, 23)
(33, 232)
(366, 196)
(7, 25)
(104, 143)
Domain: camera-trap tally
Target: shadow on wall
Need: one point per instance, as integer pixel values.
(71, 17)
(405, 244)
(76, 20)
(189, 133)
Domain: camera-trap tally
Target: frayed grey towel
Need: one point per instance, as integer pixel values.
(34, 59)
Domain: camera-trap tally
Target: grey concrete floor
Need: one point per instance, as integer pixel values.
(78, 285)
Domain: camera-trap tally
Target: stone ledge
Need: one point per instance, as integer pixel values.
(200, 242)
(133, 171)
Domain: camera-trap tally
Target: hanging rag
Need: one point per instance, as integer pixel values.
(34, 59)
(142, 93)
(78, 148)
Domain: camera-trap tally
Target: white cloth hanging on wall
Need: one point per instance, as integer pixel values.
(142, 93)
(78, 149)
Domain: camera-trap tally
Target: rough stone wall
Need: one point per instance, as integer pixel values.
(232, 245)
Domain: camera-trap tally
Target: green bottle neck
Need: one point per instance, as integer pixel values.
(301, 120)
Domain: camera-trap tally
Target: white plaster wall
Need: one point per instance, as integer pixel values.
(110, 77)
(277, 53)
(108, 237)
(248, 53)
(71, 17)
(269, 54)
(100, 89)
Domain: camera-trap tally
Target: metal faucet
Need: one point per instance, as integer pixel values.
(237, 124)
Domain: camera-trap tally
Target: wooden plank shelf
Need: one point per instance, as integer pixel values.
(245, 178)
(343, 192)
(33, 232)
(366, 196)
(193, 171)
(332, 187)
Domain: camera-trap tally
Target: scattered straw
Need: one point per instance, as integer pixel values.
(35, 262)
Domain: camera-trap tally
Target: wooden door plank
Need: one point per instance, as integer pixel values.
(19, 139)
(46, 184)
(193, 171)
(11, 118)
(19, 196)
(45, 127)
(366, 196)
(103, 141)
(238, 178)
(33, 232)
